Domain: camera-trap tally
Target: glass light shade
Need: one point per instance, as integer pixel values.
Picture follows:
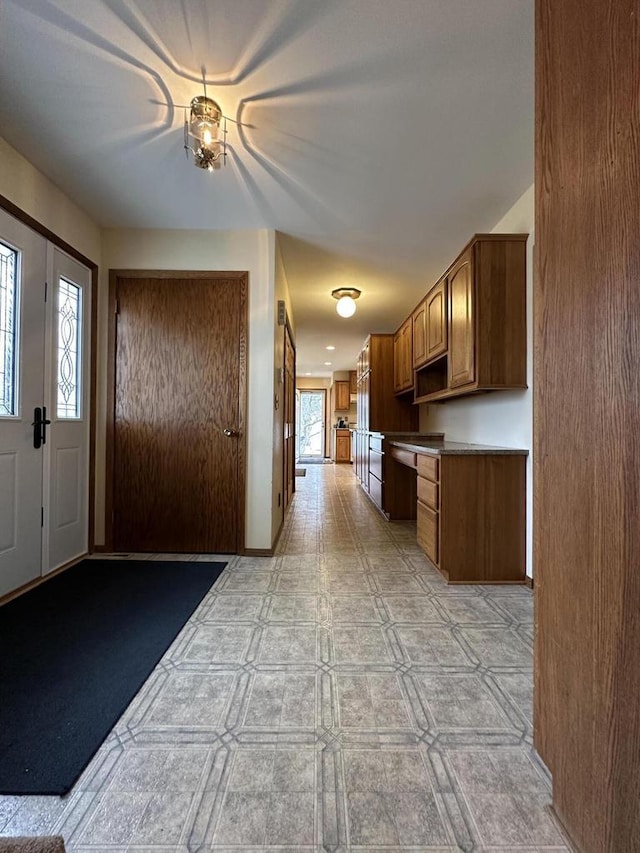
(201, 133)
(346, 306)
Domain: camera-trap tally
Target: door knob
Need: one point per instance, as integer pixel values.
(230, 432)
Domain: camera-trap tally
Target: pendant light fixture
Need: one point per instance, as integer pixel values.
(346, 297)
(204, 138)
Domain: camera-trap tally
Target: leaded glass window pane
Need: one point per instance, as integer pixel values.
(8, 328)
(69, 337)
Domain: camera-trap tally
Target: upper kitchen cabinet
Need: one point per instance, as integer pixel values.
(476, 319)
(419, 334)
(461, 327)
(435, 322)
(403, 359)
(342, 396)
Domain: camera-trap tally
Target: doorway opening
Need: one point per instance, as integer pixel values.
(311, 418)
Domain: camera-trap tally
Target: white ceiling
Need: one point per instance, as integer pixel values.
(377, 135)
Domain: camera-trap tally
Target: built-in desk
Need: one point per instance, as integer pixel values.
(469, 501)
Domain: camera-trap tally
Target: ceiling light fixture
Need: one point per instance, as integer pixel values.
(203, 136)
(346, 297)
(327, 363)
(330, 348)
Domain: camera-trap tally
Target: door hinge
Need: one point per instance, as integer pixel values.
(41, 516)
(46, 287)
(116, 307)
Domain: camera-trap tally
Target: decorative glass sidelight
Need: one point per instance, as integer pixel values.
(69, 403)
(8, 328)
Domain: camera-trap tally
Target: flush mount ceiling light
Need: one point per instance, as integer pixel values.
(204, 139)
(346, 297)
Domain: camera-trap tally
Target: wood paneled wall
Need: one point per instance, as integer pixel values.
(587, 416)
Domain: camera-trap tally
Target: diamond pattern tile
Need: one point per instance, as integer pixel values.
(338, 696)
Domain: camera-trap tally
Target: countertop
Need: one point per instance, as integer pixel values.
(424, 443)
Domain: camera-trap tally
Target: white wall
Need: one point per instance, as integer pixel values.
(502, 418)
(239, 250)
(37, 196)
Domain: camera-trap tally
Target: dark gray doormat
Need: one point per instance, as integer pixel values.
(76, 650)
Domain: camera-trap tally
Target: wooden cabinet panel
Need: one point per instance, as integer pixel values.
(342, 396)
(404, 457)
(375, 464)
(376, 491)
(461, 323)
(427, 532)
(419, 335)
(428, 467)
(436, 321)
(402, 358)
(353, 382)
(428, 493)
(375, 442)
(343, 445)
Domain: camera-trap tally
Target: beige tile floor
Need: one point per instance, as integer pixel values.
(336, 697)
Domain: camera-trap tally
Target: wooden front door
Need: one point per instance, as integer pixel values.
(178, 426)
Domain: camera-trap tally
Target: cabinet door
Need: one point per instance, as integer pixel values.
(461, 323)
(397, 359)
(419, 335)
(353, 382)
(343, 448)
(436, 321)
(342, 398)
(402, 358)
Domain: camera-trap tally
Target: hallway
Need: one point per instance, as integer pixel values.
(338, 696)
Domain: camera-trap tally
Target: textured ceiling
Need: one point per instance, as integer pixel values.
(375, 136)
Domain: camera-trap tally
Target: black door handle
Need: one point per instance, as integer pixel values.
(39, 425)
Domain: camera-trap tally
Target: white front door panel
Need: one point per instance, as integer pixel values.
(22, 322)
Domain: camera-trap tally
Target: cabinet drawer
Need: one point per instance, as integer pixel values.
(375, 443)
(427, 531)
(404, 457)
(428, 492)
(375, 464)
(375, 489)
(428, 467)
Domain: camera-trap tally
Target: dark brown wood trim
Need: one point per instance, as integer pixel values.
(193, 274)
(258, 552)
(274, 544)
(92, 410)
(41, 229)
(243, 278)
(110, 412)
(38, 581)
(49, 235)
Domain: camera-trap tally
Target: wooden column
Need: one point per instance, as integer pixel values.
(587, 416)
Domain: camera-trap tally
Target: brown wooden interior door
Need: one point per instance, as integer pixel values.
(179, 345)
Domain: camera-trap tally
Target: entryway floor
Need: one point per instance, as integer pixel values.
(338, 696)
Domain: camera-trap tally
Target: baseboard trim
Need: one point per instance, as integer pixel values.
(258, 552)
(528, 581)
(9, 596)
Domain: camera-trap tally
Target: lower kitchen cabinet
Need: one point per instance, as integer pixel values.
(343, 445)
(471, 515)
